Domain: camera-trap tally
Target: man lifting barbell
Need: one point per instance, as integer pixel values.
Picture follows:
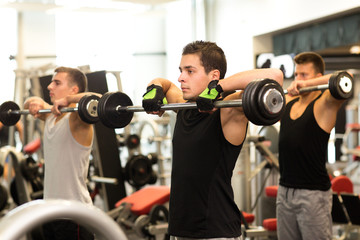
(205, 145)
(304, 196)
(10, 112)
(115, 109)
(67, 143)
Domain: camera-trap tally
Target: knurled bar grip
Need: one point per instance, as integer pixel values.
(63, 110)
(310, 89)
(179, 106)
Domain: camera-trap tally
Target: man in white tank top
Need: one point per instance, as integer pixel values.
(67, 143)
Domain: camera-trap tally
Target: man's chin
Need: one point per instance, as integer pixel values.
(190, 99)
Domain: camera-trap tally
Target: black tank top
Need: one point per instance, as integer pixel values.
(202, 199)
(303, 147)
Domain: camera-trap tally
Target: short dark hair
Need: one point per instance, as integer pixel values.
(76, 76)
(211, 56)
(311, 57)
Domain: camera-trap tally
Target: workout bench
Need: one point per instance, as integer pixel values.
(269, 225)
(341, 185)
(346, 211)
(268, 229)
(144, 211)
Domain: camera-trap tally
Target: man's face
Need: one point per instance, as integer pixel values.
(60, 86)
(305, 71)
(193, 78)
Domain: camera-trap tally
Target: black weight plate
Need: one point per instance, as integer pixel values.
(246, 102)
(133, 141)
(107, 112)
(3, 197)
(153, 157)
(341, 85)
(6, 117)
(251, 104)
(153, 178)
(87, 108)
(254, 105)
(271, 100)
(138, 170)
(158, 213)
(13, 192)
(29, 169)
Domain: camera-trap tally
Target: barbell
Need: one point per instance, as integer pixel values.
(263, 102)
(10, 112)
(340, 85)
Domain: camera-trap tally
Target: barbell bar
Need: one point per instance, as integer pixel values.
(10, 112)
(340, 85)
(180, 106)
(265, 97)
(263, 101)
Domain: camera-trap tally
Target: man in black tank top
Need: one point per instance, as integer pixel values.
(304, 199)
(206, 143)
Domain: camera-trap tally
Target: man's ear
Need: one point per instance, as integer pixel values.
(215, 74)
(75, 89)
(319, 75)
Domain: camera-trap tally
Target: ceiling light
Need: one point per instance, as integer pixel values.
(355, 49)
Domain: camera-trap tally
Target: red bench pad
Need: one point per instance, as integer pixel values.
(271, 191)
(249, 217)
(270, 224)
(32, 146)
(144, 199)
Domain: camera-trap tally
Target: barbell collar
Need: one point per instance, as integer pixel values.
(345, 84)
(273, 101)
(180, 106)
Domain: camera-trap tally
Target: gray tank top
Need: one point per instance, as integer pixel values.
(66, 162)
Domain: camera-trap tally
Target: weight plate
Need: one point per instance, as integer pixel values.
(158, 213)
(6, 117)
(341, 85)
(133, 141)
(29, 169)
(87, 108)
(255, 104)
(153, 178)
(140, 225)
(108, 113)
(153, 157)
(246, 103)
(263, 102)
(138, 170)
(13, 191)
(3, 197)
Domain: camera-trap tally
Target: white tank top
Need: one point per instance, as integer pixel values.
(66, 162)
